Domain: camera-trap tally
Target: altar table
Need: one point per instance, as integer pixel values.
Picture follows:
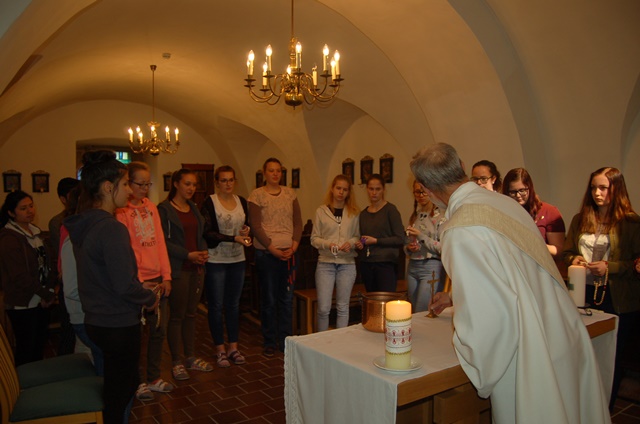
(330, 376)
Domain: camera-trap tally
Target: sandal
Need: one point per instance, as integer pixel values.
(179, 372)
(222, 360)
(160, 386)
(199, 364)
(237, 358)
(144, 393)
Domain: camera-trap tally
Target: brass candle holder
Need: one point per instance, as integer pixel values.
(432, 283)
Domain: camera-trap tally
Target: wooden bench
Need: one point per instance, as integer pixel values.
(306, 306)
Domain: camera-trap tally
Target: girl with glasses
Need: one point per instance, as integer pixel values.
(227, 234)
(519, 186)
(486, 175)
(604, 237)
(335, 232)
(142, 220)
(423, 249)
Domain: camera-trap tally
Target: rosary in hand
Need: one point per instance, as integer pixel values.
(158, 292)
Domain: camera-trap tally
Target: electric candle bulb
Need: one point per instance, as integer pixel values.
(264, 74)
(250, 63)
(130, 134)
(325, 58)
(298, 55)
(167, 132)
(336, 57)
(289, 70)
(333, 70)
(269, 53)
(314, 76)
(177, 132)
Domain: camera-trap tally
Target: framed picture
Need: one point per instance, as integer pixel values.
(259, 178)
(283, 177)
(40, 180)
(386, 168)
(348, 169)
(295, 178)
(166, 179)
(11, 180)
(366, 169)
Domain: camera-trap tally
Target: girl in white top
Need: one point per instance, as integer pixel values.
(227, 234)
(335, 232)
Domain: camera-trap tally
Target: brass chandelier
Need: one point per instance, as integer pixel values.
(295, 85)
(153, 145)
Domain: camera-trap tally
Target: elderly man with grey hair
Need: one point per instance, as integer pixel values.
(518, 335)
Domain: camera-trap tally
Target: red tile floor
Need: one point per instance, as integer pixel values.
(253, 393)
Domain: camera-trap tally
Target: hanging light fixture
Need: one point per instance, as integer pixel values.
(295, 85)
(153, 145)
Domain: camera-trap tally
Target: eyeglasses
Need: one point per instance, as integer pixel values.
(141, 185)
(419, 193)
(522, 192)
(226, 180)
(483, 180)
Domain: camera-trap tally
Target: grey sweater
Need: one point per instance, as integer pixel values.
(386, 226)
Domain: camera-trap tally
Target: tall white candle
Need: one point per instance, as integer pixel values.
(397, 335)
(577, 284)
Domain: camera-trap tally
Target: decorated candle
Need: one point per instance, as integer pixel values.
(577, 284)
(397, 336)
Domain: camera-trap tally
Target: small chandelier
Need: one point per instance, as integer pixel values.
(295, 85)
(153, 145)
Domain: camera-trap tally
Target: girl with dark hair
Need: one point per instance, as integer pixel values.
(335, 233)
(274, 214)
(227, 234)
(382, 234)
(183, 228)
(486, 175)
(110, 292)
(519, 186)
(604, 237)
(142, 220)
(423, 249)
(24, 276)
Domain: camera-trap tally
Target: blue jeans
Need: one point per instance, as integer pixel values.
(418, 288)
(276, 299)
(328, 275)
(98, 359)
(223, 285)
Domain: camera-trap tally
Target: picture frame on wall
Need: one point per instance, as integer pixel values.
(386, 167)
(283, 177)
(295, 178)
(259, 178)
(348, 169)
(12, 180)
(166, 180)
(40, 182)
(366, 169)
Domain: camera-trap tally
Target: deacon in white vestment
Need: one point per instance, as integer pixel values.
(518, 334)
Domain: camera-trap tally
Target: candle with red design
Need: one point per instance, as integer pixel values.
(398, 335)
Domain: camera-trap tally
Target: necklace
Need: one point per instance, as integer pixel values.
(181, 208)
(598, 284)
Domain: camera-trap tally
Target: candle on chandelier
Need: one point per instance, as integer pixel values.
(325, 58)
(298, 55)
(139, 134)
(333, 69)
(336, 57)
(167, 133)
(314, 76)
(250, 63)
(177, 132)
(269, 53)
(265, 67)
(397, 318)
(130, 135)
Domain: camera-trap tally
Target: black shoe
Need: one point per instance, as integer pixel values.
(269, 351)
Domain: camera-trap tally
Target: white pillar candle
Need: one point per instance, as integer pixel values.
(577, 284)
(398, 335)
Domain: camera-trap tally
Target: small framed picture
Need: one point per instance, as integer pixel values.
(40, 180)
(295, 178)
(166, 180)
(348, 169)
(386, 168)
(283, 177)
(366, 169)
(259, 178)
(11, 180)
